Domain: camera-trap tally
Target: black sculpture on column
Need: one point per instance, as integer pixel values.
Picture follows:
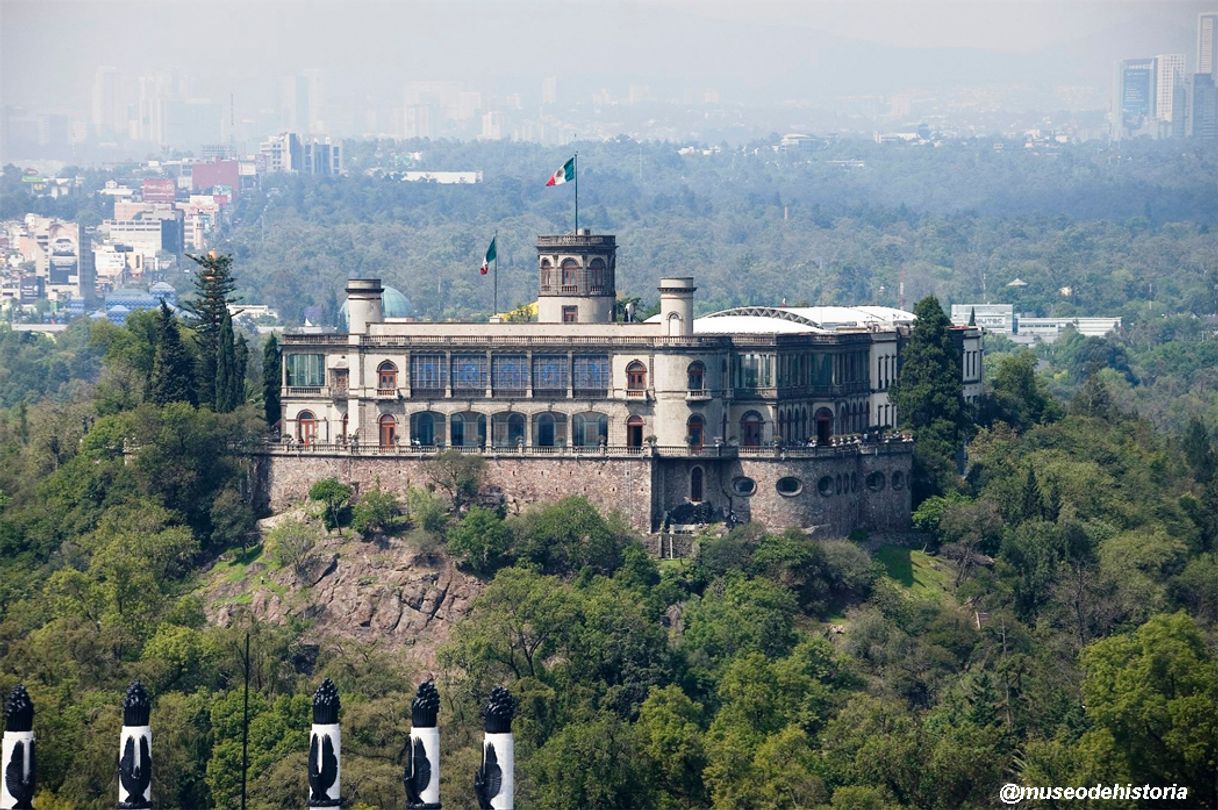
(325, 748)
(135, 751)
(17, 789)
(495, 781)
(422, 776)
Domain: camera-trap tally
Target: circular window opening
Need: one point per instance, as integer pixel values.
(898, 480)
(825, 486)
(875, 482)
(744, 486)
(789, 485)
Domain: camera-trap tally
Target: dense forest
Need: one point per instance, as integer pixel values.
(1053, 621)
(1054, 624)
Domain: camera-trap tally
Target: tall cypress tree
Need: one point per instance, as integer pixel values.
(241, 353)
(270, 380)
(226, 362)
(173, 376)
(929, 395)
(214, 285)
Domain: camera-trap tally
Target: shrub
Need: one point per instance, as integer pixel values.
(481, 540)
(377, 511)
(336, 496)
(291, 545)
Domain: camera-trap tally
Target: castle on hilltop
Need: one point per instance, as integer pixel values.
(772, 414)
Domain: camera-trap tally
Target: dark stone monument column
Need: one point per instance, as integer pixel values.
(422, 777)
(17, 788)
(325, 748)
(135, 751)
(495, 781)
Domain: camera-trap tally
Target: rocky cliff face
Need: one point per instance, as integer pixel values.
(387, 592)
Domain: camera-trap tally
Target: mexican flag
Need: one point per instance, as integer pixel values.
(563, 175)
(490, 257)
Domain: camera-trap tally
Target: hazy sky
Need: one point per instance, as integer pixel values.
(748, 50)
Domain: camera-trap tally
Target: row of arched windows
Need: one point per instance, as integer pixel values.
(568, 275)
(470, 429)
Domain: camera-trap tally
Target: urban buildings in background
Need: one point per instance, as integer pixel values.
(1027, 329)
(1156, 97)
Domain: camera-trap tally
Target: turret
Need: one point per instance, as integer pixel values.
(364, 305)
(577, 278)
(677, 306)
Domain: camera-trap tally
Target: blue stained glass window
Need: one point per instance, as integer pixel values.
(591, 372)
(427, 372)
(469, 372)
(550, 373)
(306, 369)
(510, 372)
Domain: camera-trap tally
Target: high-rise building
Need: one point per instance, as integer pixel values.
(105, 109)
(549, 90)
(1204, 118)
(1207, 43)
(154, 92)
(1170, 95)
(1135, 97)
(295, 103)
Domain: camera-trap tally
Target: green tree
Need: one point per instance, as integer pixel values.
(271, 381)
(377, 511)
(214, 285)
(598, 763)
(334, 495)
(172, 377)
(226, 366)
(481, 540)
(929, 396)
(1156, 691)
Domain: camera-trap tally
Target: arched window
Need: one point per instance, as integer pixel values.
(589, 429)
(306, 427)
(696, 376)
(570, 274)
(550, 429)
(468, 429)
(634, 432)
(389, 430)
(695, 484)
(750, 429)
(636, 376)
(425, 428)
(547, 273)
(596, 275)
(674, 325)
(386, 376)
(343, 435)
(507, 429)
(695, 432)
(824, 426)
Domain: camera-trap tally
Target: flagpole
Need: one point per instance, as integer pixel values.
(576, 193)
(495, 242)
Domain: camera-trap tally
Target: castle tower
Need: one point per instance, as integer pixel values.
(577, 278)
(677, 306)
(364, 304)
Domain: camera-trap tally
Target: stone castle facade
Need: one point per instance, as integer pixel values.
(771, 414)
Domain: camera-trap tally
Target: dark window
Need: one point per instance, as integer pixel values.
(696, 376)
(744, 486)
(550, 430)
(898, 480)
(389, 431)
(695, 484)
(468, 429)
(507, 430)
(696, 427)
(789, 485)
(306, 427)
(636, 376)
(427, 373)
(570, 275)
(570, 314)
(305, 369)
(469, 373)
(509, 373)
(825, 485)
(591, 374)
(425, 428)
(386, 376)
(634, 432)
(750, 429)
(875, 481)
(589, 429)
(551, 374)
